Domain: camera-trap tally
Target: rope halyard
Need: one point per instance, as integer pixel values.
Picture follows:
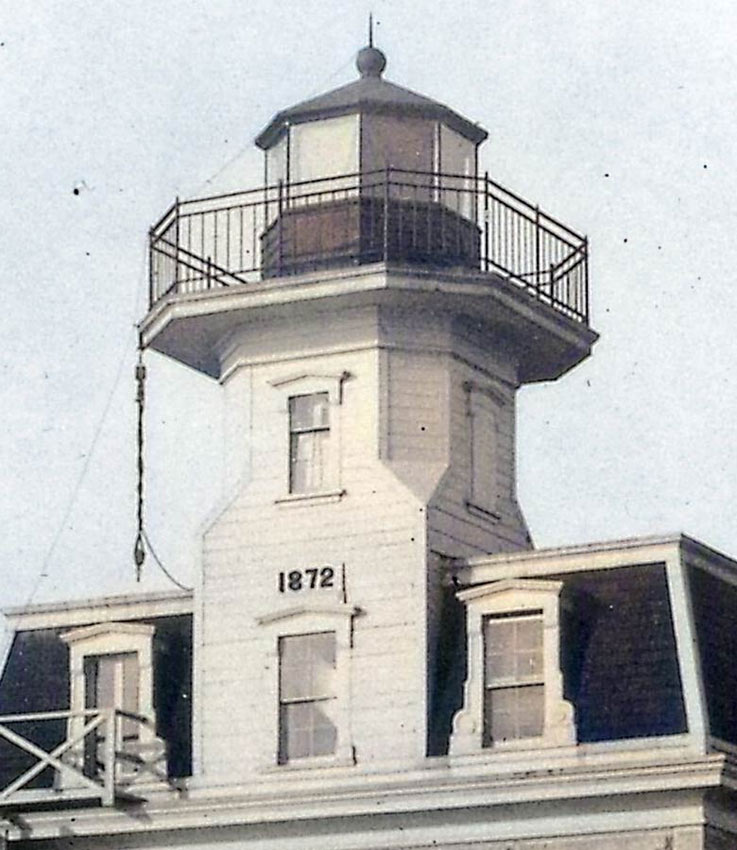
(139, 551)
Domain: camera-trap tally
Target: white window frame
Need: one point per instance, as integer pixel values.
(482, 410)
(512, 596)
(306, 384)
(313, 619)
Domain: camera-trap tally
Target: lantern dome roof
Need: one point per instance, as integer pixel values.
(368, 94)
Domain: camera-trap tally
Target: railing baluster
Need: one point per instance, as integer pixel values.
(255, 258)
(386, 216)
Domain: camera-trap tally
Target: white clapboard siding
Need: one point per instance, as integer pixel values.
(399, 434)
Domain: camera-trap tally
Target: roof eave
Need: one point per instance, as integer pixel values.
(279, 123)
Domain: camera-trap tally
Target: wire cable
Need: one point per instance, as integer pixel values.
(160, 564)
(44, 572)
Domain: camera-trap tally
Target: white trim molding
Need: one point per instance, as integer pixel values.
(512, 596)
(112, 639)
(308, 383)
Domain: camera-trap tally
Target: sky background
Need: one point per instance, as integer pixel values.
(617, 118)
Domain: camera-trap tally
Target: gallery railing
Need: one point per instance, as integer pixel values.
(56, 756)
(409, 217)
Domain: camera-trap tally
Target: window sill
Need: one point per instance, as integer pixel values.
(482, 513)
(303, 499)
(313, 763)
(515, 752)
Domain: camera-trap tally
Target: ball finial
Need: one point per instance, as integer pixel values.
(370, 62)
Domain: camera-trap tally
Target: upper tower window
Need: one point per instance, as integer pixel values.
(311, 408)
(309, 437)
(483, 494)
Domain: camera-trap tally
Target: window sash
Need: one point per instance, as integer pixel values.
(514, 677)
(309, 437)
(307, 696)
(513, 713)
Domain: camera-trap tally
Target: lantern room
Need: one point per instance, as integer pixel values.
(370, 171)
(370, 178)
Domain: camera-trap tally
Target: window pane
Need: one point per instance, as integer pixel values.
(512, 713)
(500, 667)
(530, 711)
(104, 696)
(529, 664)
(307, 729)
(324, 148)
(500, 635)
(513, 649)
(529, 633)
(499, 715)
(111, 681)
(295, 731)
(307, 666)
(130, 682)
(308, 411)
(325, 732)
(308, 452)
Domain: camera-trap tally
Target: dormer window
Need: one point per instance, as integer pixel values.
(111, 667)
(513, 694)
(309, 438)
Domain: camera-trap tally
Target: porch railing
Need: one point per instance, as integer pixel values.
(441, 220)
(56, 756)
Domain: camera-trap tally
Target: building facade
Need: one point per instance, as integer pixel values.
(375, 656)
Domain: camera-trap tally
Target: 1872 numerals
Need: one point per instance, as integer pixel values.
(308, 579)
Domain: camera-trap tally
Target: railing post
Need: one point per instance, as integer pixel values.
(176, 242)
(386, 215)
(279, 232)
(151, 289)
(486, 221)
(585, 293)
(538, 259)
(108, 793)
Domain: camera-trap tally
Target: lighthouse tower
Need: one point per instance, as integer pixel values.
(370, 313)
(374, 656)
